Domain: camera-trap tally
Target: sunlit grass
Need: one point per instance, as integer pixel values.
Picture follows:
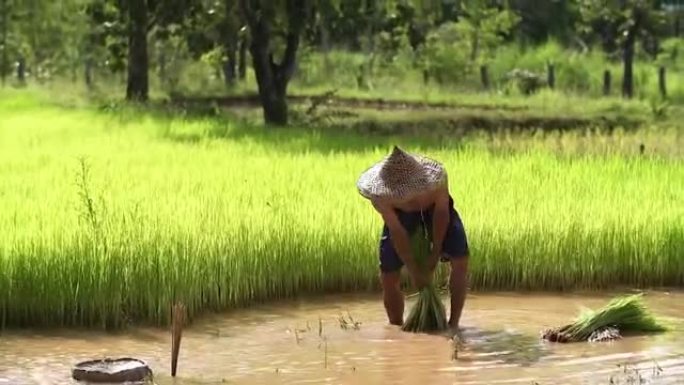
(108, 218)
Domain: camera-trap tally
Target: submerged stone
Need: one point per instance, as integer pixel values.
(110, 370)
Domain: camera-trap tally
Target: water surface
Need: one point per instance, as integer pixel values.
(304, 342)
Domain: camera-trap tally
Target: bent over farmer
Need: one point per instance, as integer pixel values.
(411, 191)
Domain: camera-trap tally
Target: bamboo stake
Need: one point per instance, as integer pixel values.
(178, 319)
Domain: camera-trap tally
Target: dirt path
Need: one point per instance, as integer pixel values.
(252, 100)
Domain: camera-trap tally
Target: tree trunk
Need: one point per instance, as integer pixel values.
(271, 83)
(484, 76)
(551, 75)
(272, 78)
(230, 62)
(242, 59)
(138, 64)
(161, 54)
(475, 44)
(662, 84)
(88, 72)
(5, 20)
(606, 82)
(628, 61)
(325, 42)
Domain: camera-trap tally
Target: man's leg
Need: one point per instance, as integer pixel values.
(390, 276)
(393, 297)
(458, 286)
(455, 249)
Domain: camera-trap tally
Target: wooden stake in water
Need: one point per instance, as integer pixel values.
(178, 319)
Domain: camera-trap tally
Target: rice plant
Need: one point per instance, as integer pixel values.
(224, 221)
(622, 315)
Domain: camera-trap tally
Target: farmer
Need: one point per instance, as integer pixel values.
(411, 191)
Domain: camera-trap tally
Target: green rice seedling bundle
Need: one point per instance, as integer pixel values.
(428, 313)
(625, 314)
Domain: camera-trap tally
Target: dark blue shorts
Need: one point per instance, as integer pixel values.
(455, 241)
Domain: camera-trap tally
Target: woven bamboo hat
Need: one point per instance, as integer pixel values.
(401, 175)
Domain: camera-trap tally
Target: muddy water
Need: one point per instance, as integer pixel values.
(287, 344)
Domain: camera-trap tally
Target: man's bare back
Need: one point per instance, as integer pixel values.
(422, 201)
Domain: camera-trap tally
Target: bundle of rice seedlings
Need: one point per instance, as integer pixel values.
(428, 313)
(625, 314)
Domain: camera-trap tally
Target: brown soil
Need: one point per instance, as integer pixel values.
(252, 100)
(437, 118)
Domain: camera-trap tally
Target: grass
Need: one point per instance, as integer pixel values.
(108, 218)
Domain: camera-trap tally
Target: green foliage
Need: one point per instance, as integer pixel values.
(110, 20)
(672, 54)
(541, 21)
(644, 16)
(484, 28)
(443, 55)
(454, 50)
(47, 35)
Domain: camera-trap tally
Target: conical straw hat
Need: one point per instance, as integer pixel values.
(401, 176)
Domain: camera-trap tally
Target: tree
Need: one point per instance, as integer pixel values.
(5, 28)
(217, 29)
(484, 25)
(267, 19)
(229, 27)
(40, 36)
(544, 19)
(632, 20)
(128, 27)
(137, 86)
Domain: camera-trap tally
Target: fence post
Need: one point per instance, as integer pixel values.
(661, 82)
(484, 76)
(606, 82)
(551, 75)
(21, 70)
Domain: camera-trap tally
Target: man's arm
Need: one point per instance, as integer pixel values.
(399, 235)
(440, 221)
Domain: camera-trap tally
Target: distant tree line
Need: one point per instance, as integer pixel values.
(72, 37)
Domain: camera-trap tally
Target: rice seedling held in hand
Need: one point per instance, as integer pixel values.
(428, 313)
(624, 314)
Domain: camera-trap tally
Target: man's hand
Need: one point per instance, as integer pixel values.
(419, 279)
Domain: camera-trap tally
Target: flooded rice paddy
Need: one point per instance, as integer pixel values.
(345, 340)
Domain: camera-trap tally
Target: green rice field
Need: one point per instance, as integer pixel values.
(107, 218)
